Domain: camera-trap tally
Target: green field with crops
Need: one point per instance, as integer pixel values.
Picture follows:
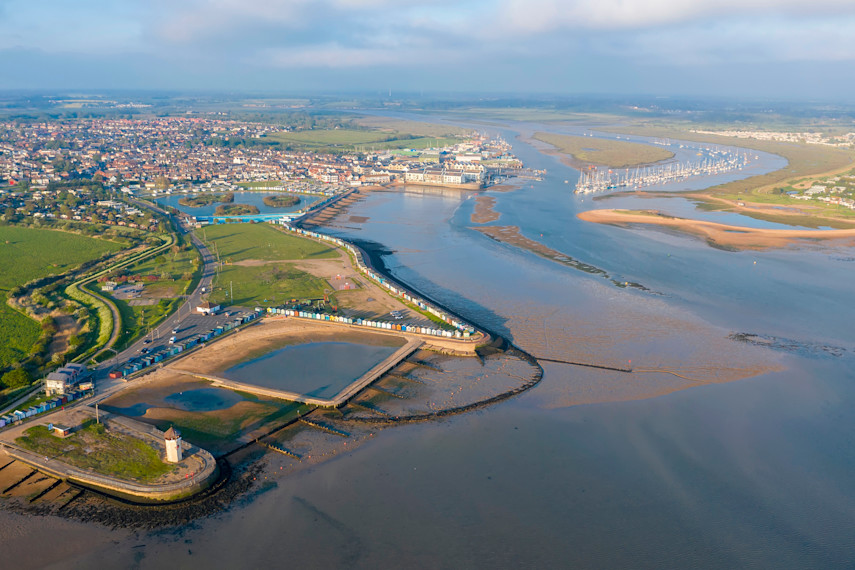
(27, 254)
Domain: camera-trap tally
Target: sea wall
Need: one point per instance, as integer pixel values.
(205, 469)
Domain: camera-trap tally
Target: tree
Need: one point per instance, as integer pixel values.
(17, 378)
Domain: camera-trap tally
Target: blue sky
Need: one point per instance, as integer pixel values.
(774, 48)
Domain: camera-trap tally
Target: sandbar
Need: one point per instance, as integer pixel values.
(718, 235)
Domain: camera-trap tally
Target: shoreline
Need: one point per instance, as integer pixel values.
(723, 236)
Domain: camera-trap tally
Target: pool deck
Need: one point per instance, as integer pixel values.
(341, 398)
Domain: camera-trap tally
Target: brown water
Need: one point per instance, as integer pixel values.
(656, 470)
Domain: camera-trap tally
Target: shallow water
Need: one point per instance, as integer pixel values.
(203, 400)
(321, 369)
(657, 472)
(252, 198)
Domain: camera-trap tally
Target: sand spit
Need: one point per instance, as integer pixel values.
(484, 212)
(723, 236)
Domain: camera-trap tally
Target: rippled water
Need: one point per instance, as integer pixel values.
(656, 471)
(321, 369)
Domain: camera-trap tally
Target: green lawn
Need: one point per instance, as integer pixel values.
(238, 242)
(103, 451)
(270, 284)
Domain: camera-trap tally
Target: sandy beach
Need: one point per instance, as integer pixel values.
(719, 235)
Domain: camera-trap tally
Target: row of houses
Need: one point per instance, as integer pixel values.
(178, 348)
(464, 328)
(85, 389)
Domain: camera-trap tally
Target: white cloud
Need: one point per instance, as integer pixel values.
(546, 15)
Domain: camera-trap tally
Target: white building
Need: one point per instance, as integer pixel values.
(207, 308)
(174, 452)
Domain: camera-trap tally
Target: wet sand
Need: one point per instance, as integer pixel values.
(724, 236)
(484, 212)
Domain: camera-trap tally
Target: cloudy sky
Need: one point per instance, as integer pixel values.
(769, 48)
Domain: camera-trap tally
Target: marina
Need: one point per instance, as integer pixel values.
(713, 161)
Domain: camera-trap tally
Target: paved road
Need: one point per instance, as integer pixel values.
(186, 320)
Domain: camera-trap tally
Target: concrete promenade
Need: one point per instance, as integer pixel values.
(341, 398)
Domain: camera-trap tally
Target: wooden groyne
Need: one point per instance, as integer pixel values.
(282, 450)
(387, 392)
(324, 427)
(586, 364)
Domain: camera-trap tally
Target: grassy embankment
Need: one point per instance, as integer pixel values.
(604, 152)
(255, 260)
(29, 254)
(104, 451)
(767, 192)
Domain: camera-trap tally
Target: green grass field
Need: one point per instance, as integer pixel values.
(343, 140)
(271, 284)
(239, 242)
(103, 451)
(605, 152)
(18, 333)
(27, 254)
(266, 284)
(416, 128)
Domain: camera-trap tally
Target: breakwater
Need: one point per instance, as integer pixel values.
(386, 418)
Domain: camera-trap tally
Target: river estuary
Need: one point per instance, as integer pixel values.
(717, 452)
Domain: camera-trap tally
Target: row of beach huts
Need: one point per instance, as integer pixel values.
(369, 323)
(465, 330)
(179, 347)
(85, 389)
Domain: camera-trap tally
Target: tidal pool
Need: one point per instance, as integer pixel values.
(320, 369)
(203, 400)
